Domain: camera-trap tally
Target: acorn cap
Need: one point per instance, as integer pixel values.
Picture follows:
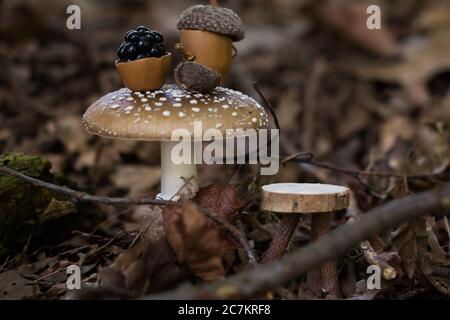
(194, 76)
(154, 115)
(213, 19)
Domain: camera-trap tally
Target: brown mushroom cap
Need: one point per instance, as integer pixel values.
(153, 115)
(213, 19)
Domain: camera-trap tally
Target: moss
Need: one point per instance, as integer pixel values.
(24, 208)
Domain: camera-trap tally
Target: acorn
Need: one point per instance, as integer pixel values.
(193, 76)
(207, 32)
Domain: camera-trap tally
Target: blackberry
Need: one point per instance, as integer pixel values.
(131, 36)
(142, 29)
(158, 36)
(130, 51)
(158, 50)
(149, 36)
(121, 51)
(141, 43)
(141, 56)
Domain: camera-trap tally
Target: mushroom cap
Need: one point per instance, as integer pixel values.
(304, 197)
(213, 19)
(154, 115)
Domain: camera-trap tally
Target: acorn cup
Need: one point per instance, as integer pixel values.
(145, 74)
(207, 33)
(143, 63)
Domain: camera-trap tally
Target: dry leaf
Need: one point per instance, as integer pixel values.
(349, 19)
(422, 60)
(433, 17)
(195, 242)
(14, 286)
(147, 266)
(408, 240)
(220, 198)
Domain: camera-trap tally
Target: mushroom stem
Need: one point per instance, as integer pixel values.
(325, 278)
(172, 174)
(282, 237)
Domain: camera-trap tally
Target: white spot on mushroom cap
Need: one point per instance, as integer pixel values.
(166, 113)
(195, 109)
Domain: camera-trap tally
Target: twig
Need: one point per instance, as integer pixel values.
(251, 283)
(373, 258)
(105, 244)
(268, 105)
(447, 229)
(308, 158)
(83, 196)
(441, 272)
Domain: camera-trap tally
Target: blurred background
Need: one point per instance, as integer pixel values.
(351, 95)
(356, 98)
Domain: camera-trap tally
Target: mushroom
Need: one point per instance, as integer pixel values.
(207, 32)
(154, 115)
(292, 199)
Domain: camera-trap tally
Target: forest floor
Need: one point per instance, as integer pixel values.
(365, 102)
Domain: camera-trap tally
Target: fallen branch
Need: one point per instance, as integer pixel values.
(83, 196)
(251, 283)
(372, 258)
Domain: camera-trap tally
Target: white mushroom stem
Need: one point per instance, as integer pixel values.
(172, 174)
